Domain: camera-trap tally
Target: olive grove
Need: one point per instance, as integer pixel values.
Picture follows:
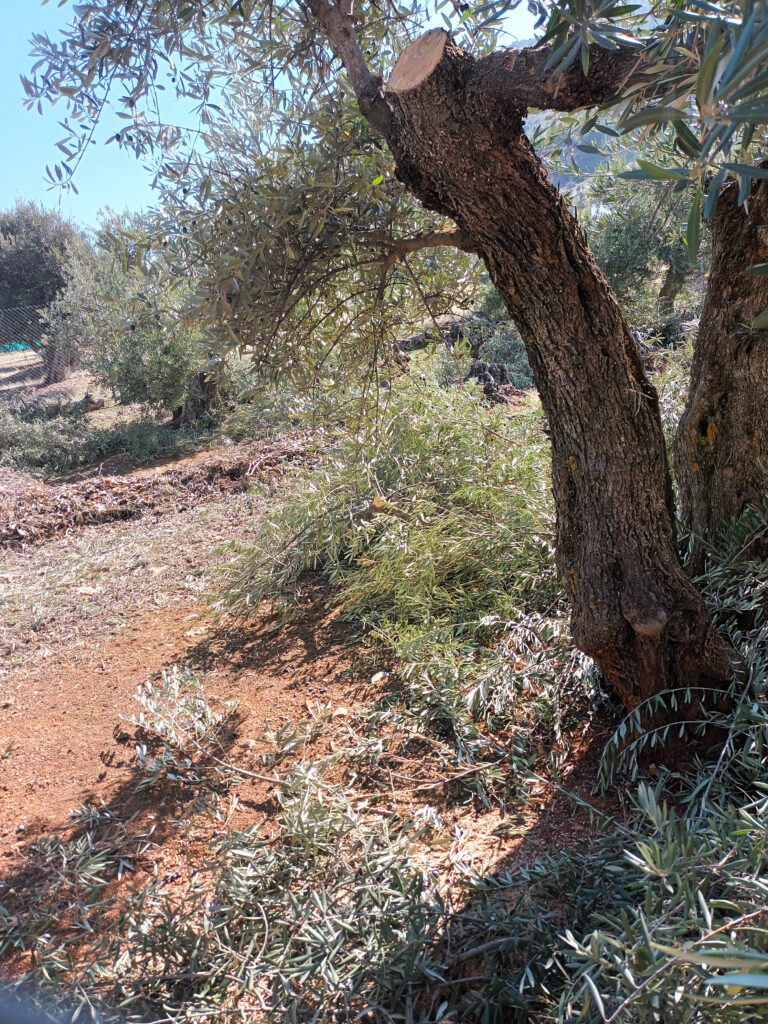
(304, 244)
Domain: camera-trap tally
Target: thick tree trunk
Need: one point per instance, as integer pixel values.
(721, 449)
(634, 611)
(203, 398)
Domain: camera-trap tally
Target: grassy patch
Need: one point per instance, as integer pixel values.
(59, 444)
(52, 439)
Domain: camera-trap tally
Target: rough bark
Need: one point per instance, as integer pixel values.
(721, 449)
(460, 148)
(203, 398)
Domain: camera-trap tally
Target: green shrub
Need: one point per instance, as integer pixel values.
(495, 339)
(436, 531)
(125, 329)
(506, 346)
(67, 442)
(442, 508)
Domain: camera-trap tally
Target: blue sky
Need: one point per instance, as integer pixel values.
(107, 176)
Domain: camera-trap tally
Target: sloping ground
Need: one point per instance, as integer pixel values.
(88, 615)
(64, 736)
(31, 511)
(21, 382)
(20, 372)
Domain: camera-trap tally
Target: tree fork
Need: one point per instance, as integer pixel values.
(460, 148)
(721, 448)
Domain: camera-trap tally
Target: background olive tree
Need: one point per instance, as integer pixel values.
(34, 243)
(34, 248)
(123, 322)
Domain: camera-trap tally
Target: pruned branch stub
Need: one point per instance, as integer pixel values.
(417, 61)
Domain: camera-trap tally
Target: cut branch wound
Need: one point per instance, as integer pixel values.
(417, 61)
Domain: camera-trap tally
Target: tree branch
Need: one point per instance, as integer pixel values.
(520, 77)
(517, 79)
(340, 29)
(399, 248)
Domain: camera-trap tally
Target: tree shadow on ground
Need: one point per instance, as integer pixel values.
(313, 632)
(494, 956)
(64, 885)
(20, 381)
(525, 891)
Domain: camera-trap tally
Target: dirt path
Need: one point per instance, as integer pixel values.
(58, 720)
(66, 741)
(88, 615)
(64, 738)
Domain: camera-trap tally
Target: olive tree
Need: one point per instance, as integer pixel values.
(451, 110)
(122, 323)
(305, 254)
(34, 246)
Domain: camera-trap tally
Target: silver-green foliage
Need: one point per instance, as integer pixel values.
(125, 328)
(55, 445)
(283, 207)
(180, 729)
(636, 231)
(671, 888)
(435, 529)
(330, 919)
(287, 235)
(442, 506)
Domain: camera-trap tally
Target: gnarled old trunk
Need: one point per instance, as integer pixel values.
(721, 449)
(57, 362)
(456, 131)
(203, 398)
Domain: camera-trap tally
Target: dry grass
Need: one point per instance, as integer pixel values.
(79, 587)
(90, 579)
(21, 380)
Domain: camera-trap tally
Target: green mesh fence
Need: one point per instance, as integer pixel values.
(20, 328)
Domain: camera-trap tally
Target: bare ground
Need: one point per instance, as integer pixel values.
(21, 380)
